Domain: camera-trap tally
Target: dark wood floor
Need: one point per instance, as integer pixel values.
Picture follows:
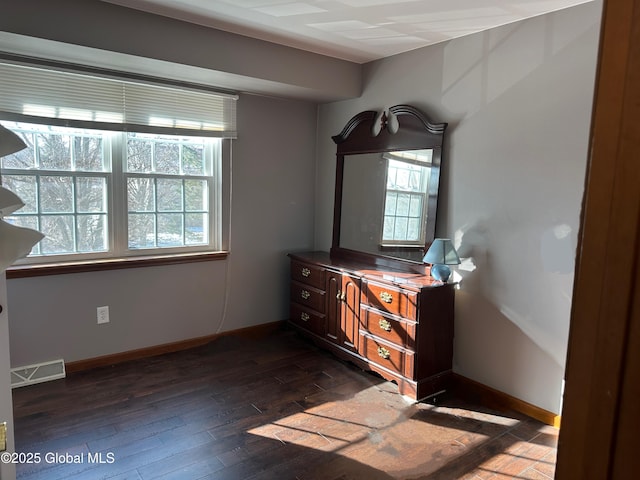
(275, 408)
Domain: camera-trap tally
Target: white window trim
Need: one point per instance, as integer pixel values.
(194, 96)
(117, 214)
(422, 192)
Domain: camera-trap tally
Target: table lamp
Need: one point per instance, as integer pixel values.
(440, 255)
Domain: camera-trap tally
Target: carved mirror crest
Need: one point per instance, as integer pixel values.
(387, 180)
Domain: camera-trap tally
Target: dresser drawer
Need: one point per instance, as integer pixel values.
(308, 319)
(308, 274)
(387, 356)
(388, 328)
(308, 296)
(390, 299)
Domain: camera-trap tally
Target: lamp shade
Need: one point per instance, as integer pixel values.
(15, 242)
(10, 142)
(441, 252)
(9, 202)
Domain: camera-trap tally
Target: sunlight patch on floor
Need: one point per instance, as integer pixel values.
(396, 438)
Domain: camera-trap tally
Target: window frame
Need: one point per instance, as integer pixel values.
(185, 108)
(422, 193)
(119, 255)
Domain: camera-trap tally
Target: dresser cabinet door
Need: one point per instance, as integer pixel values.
(343, 308)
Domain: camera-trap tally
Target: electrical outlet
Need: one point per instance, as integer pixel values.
(103, 315)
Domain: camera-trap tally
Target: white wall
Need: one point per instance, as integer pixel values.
(272, 200)
(518, 103)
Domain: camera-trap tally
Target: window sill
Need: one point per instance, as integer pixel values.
(37, 270)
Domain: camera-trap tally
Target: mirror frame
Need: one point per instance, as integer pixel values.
(401, 127)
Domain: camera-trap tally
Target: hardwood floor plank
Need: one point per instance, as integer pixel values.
(258, 409)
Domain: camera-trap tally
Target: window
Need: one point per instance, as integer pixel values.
(96, 193)
(168, 183)
(408, 176)
(115, 166)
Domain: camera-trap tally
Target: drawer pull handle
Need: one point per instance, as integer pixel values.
(306, 272)
(385, 325)
(384, 353)
(305, 294)
(342, 296)
(304, 316)
(386, 297)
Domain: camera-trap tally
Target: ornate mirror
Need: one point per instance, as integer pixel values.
(387, 178)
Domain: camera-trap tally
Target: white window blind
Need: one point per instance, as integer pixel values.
(39, 95)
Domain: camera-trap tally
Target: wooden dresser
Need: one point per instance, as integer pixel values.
(397, 324)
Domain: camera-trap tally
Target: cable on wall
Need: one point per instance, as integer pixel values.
(227, 275)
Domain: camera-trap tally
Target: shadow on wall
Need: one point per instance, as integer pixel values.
(501, 334)
(476, 73)
(516, 178)
(492, 263)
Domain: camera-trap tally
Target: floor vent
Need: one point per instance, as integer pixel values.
(37, 373)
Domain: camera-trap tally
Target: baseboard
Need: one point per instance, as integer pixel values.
(463, 385)
(256, 331)
(492, 397)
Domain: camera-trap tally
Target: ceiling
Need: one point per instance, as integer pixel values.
(353, 30)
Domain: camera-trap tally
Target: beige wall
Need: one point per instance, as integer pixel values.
(272, 176)
(518, 102)
(98, 33)
(271, 179)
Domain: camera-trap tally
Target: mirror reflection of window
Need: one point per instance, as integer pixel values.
(406, 197)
